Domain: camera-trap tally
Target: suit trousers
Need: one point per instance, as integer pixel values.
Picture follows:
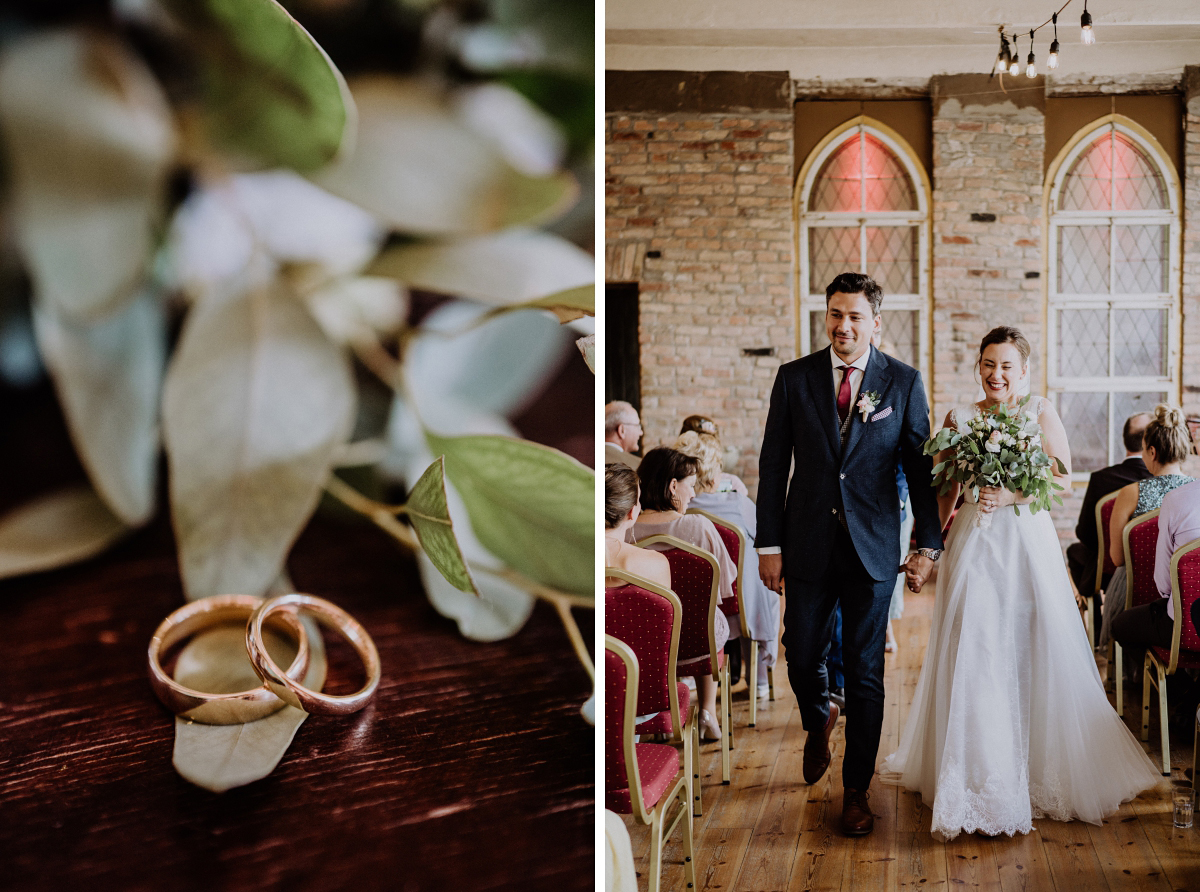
(808, 628)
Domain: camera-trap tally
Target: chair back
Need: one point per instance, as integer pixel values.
(1141, 546)
(621, 782)
(695, 578)
(1104, 564)
(734, 539)
(1185, 593)
(647, 617)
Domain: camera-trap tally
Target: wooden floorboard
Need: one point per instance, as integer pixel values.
(768, 831)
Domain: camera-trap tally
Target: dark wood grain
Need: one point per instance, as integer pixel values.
(471, 769)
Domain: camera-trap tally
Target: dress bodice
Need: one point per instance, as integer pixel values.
(1152, 489)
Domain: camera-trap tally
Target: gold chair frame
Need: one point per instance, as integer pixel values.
(1141, 518)
(656, 818)
(1091, 601)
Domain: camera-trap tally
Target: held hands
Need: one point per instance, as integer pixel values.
(916, 571)
(993, 497)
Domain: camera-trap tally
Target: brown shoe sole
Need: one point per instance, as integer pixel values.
(812, 775)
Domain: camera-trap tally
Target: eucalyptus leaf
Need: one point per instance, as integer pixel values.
(108, 376)
(497, 612)
(587, 346)
(257, 402)
(269, 91)
(420, 168)
(55, 530)
(510, 267)
(89, 141)
(220, 757)
(430, 516)
(588, 710)
(567, 306)
(530, 505)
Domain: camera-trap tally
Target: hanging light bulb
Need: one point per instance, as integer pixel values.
(1030, 65)
(1014, 66)
(1086, 35)
(1052, 60)
(1004, 56)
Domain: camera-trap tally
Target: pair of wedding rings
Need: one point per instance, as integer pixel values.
(280, 687)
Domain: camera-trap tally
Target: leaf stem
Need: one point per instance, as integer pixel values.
(568, 621)
(381, 515)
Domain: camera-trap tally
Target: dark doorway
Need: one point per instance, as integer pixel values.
(622, 368)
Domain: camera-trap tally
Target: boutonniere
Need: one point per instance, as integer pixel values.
(867, 402)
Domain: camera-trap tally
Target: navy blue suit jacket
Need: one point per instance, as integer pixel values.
(861, 480)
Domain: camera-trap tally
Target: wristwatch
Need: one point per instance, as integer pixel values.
(932, 553)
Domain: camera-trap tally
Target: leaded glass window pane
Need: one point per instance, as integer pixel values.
(901, 337)
(1113, 174)
(862, 174)
(1140, 264)
(887, 185)
(1083, 253)
(1082, 343)
(892, 258)
(838, 186)
(1088, 185)
(1140, 336)
(832, 250)
(817, 338)
(1137, 184)
(1085, 417)
(1124, 405)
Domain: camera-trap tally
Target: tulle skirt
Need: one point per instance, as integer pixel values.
(1010, 721)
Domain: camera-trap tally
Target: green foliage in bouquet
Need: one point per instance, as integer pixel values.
(998, 448)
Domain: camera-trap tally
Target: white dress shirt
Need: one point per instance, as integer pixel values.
(856, 380)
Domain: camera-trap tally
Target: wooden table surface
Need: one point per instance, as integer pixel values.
(472, 769)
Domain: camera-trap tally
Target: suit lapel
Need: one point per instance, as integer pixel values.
(876, 378)
(820, 382)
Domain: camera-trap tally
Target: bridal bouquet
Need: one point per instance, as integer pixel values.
(1000, 448)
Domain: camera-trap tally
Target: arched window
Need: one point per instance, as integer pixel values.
(1113, 286)
(863, 205)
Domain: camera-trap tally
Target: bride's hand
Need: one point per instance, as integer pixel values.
(993, 497)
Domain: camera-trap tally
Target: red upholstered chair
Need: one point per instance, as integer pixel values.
(641, 779)
(735, 543)
(1140, 538)
(648, 617)
(1184, 652)
(695, 578)
(1104, 564)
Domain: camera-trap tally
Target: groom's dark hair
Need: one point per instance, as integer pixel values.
(856, 283)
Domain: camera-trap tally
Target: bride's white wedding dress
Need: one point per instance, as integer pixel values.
(1010, 721)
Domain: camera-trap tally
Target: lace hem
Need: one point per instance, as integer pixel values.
(997, 808)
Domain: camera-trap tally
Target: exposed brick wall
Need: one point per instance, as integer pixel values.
(1191, 258)
(712, 194)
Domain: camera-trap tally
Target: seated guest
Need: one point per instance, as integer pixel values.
(1153, 624)
(668, 479)
(759, 605)
(704, 425)
(1165, 445)
(622, 430)
(621, 510)
(1083, 555)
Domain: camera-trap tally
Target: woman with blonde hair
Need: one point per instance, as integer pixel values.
(759, 605)
(1166, 444)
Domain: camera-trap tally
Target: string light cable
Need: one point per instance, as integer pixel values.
(1009, 60)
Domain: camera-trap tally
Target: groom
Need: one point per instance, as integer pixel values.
(842, 415)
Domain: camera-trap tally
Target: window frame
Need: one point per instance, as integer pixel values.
(920, 301)
(1168, 299)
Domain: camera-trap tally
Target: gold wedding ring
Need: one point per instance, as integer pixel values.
(218, 709)
(285, 685)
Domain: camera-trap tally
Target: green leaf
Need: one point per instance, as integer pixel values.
(221, 757)
(430, 516)
(587, 346)
(55, 530)
(569, 305)
(269, 91)
(108, 376)
(256, 404)
(499, 611)
(530, 505)
(89, 141)
(420, 168)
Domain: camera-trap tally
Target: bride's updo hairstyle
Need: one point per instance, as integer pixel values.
(1167, 433)
(620, 493)
(1005, 334)
(706, 450)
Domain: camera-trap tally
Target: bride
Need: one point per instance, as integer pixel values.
(1010, 721)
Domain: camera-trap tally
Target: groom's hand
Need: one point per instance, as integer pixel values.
(770, 570)
(916, 571)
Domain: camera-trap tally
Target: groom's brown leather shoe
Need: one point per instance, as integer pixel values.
(816, 748)
(857, 819)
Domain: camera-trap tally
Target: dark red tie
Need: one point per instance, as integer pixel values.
(843, 397)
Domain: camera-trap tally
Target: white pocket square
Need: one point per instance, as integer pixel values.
(878, 416)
